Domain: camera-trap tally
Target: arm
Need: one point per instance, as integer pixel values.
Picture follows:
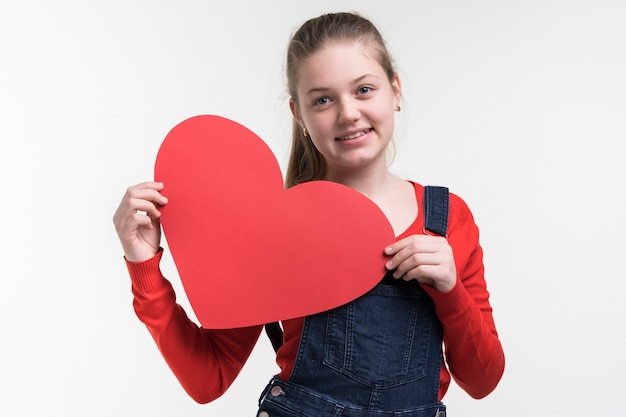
(204, 361)
(451, 272)
(473, 351)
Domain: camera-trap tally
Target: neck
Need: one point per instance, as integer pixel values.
(372, 182)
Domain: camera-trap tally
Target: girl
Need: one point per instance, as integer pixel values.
(380, 355)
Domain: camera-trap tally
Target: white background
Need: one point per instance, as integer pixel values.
(517, 106)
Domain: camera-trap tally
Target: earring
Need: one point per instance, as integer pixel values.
(304, 132)
(397, 108)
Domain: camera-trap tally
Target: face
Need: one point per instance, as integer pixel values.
(347, 103)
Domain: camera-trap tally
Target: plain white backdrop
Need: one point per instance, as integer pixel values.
(519, 107)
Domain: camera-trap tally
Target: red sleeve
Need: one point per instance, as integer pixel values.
(206, 362)
(472, 349)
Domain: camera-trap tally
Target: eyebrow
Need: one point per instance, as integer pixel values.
(355, 81)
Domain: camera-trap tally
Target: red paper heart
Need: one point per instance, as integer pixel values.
(247, 251)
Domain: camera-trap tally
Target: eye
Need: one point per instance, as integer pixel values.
(321, 101)
(364, 90)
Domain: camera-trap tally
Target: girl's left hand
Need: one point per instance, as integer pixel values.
(427, 259)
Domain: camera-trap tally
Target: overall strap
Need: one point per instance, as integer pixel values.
(436, 209)
(275, 333)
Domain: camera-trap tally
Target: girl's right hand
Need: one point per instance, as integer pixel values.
(137, 221)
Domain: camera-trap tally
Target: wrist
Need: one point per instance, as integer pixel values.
(137, 256)
(146, 276)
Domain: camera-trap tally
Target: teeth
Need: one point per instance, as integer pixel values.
(355, 135)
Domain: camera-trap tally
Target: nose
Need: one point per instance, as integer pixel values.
(348, 110)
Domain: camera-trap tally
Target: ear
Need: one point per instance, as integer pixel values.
(293, 106)
(396, 86)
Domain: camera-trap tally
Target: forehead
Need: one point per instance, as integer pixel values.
(337, 64)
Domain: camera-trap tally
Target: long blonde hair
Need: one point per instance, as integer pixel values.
(305, 161)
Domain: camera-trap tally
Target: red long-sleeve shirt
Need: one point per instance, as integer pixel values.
(207, 361)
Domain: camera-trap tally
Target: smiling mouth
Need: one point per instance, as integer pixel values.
(354, 135)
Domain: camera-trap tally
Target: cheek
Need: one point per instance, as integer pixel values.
(386, 116)
(319, 145)
(319, 125)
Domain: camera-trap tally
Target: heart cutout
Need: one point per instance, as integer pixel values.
(249, 252)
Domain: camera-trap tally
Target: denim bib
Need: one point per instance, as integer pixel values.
(377, 356)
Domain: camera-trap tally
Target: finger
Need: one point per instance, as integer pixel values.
(135, 213)
(143, 199)
(148, 191)
(433, 276)
(149, 194)
(128, 224)
(422, 273)
(142, 220)
(153, 185)
(415, 260)
(413, 240)
(400, 254)
(147, 207)
(407, 248)
(130, 216)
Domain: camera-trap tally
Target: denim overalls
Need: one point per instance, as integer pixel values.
(377, 356)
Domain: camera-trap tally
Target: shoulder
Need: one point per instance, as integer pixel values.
(459, 208)
(462, 229)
